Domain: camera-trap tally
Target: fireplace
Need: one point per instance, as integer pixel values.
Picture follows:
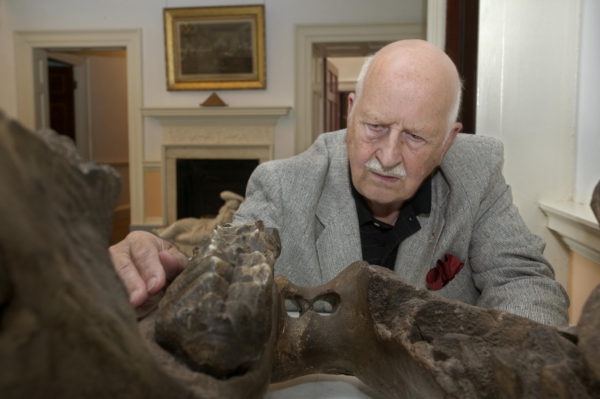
(205, 139)
(201, 181)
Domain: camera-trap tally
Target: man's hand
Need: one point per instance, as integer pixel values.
(145, 263)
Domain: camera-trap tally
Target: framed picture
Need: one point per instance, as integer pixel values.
(215, 48)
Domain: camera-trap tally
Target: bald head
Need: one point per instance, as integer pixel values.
(418, 67)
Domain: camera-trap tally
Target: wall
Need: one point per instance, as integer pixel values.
(584, 276)
(348, 71)
(527, 86)
(281, 17)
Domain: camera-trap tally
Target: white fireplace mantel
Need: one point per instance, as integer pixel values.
(211, 133)
(208, 112)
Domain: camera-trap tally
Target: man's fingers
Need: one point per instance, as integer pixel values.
(172, 260)
(136, 287)
(144, 262)
(144, 248)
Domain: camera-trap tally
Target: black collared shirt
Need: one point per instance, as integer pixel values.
(379, 240)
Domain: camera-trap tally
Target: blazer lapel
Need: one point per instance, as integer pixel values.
(338, 236)
(416, 253)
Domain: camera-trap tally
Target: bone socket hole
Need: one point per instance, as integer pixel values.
(292, 307)
(326, 304)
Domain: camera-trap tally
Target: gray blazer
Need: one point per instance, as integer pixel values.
(308, 198)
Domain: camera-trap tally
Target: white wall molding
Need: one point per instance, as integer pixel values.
(131, 40)
(152, 165)
(307, 36)
(165, 112)
(576, 225)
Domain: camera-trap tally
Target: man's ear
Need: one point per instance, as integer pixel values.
(351, 98)
(455, 130)
(457, 127)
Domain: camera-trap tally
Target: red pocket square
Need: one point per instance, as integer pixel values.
(445, 271)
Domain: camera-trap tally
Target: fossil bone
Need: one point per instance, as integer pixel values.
(408, 343)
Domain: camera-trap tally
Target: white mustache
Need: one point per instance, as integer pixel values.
(374, 165)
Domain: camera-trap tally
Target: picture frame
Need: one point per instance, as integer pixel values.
(215, 48)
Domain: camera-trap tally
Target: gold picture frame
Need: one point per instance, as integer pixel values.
(215, 48)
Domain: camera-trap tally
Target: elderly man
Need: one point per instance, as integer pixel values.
(400, 188)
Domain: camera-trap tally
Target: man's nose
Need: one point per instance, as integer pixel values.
(390, 150)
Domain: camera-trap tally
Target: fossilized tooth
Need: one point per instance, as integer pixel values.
(230, 356)
(408, 343)
(217, 315)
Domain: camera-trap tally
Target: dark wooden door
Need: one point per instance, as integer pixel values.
(61, 87)
(344, 108)
(331, 119)
(462, 32)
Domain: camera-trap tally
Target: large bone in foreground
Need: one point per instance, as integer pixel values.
(67, 329)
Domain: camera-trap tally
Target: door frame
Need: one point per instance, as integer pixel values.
(26, 42)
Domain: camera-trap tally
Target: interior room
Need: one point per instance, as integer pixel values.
(532, 82)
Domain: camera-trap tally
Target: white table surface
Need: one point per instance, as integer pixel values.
(321, 386)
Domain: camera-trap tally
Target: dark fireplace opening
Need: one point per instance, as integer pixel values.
(201, 181)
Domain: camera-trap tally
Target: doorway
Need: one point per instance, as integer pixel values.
(86, 100)
(26, 45)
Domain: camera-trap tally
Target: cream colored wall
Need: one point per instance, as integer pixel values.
(584, 276)
(348, 70)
